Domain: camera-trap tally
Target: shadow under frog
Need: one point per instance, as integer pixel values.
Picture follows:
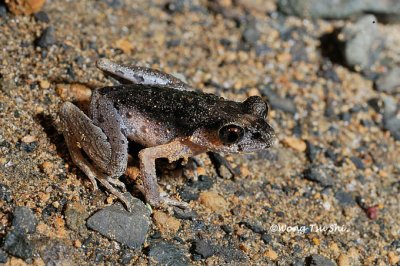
(163, 114)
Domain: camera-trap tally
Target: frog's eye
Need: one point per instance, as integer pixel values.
(231, 133)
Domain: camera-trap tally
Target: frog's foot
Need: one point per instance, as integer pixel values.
(116, 182)
(105, 182)
(220, 163)
(164, 199)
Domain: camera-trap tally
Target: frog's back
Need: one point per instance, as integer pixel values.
(182, 110)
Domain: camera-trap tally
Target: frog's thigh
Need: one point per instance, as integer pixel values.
(80, 132)
(106, 117)
(140, 75)
(173, 151)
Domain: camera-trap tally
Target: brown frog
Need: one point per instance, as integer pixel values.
(163, 114)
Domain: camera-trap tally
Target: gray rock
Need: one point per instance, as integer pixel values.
(393, 125)
(166, 253)
(390, 82)
(251, 33)
(47, 38)
(24, 220)
(17, 244)
(318, 260)
(344, 198)
(321, 174)
(5, 193)
(283, 104)
(128, 228)
(388, 9)
(202, 248)
(362, 43)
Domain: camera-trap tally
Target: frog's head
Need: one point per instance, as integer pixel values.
(243, 131)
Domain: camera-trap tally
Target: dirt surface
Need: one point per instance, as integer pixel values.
(327, 192)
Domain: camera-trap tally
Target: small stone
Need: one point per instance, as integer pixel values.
(44, 84)
(372, 212)
(3, 256)
(271, 254)
(128, 228)
(166, 253)
(24, 220)
(47, 38)
(344, 198)
(390, 82)
(75, 216)
(319, 260)
(283, 104)
(47, 167)
(362, 43)
(167, 225)
(357, 162)
(251, 34)
(295, 143)
(184, 214)
(321, 174)
(125, 45)
(17, 244)
(343, 260)
(42, 16)
(74, 92)
(24, 7)
(5, 193)
(393, 258)
(202, 248)
(213, 201)
(266, 238)
(28, 139)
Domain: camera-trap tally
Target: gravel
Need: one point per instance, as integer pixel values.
(128, 228)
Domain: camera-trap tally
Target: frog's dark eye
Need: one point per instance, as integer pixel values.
(230, 134)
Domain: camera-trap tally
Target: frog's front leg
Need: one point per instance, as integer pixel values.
(140, 75)
(106, 148)
(172, 151)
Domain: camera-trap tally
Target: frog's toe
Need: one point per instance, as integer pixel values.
(171, 202)
(116, 182)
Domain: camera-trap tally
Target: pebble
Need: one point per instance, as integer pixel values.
(362, 43)
(388, 10)
(167, 225)
(295, 143)
(44, 84)
(321, 174)
(5, 193)
(17, 244)
(202, 248)
(75, 216)
(46, 38)
(271, 254)
(250, 34)
(125, 45)
(213, 201)
(24, 7)
(393, 258)
(372, 212)
(343, 260)
(116, 223)
(28, 139)
(167, 253)
(42, 16)
(75, 92)
(184, 214)
(319, 260)
(283, 104)
(344, 198)
(357, 162)
(24, 220)
(389, 82)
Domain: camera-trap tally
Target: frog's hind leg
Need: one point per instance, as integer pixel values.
(81, 133)
(140, 75)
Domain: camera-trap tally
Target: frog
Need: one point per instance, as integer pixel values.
(166, 116)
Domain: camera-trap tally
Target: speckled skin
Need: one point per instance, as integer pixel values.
(161, 113)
